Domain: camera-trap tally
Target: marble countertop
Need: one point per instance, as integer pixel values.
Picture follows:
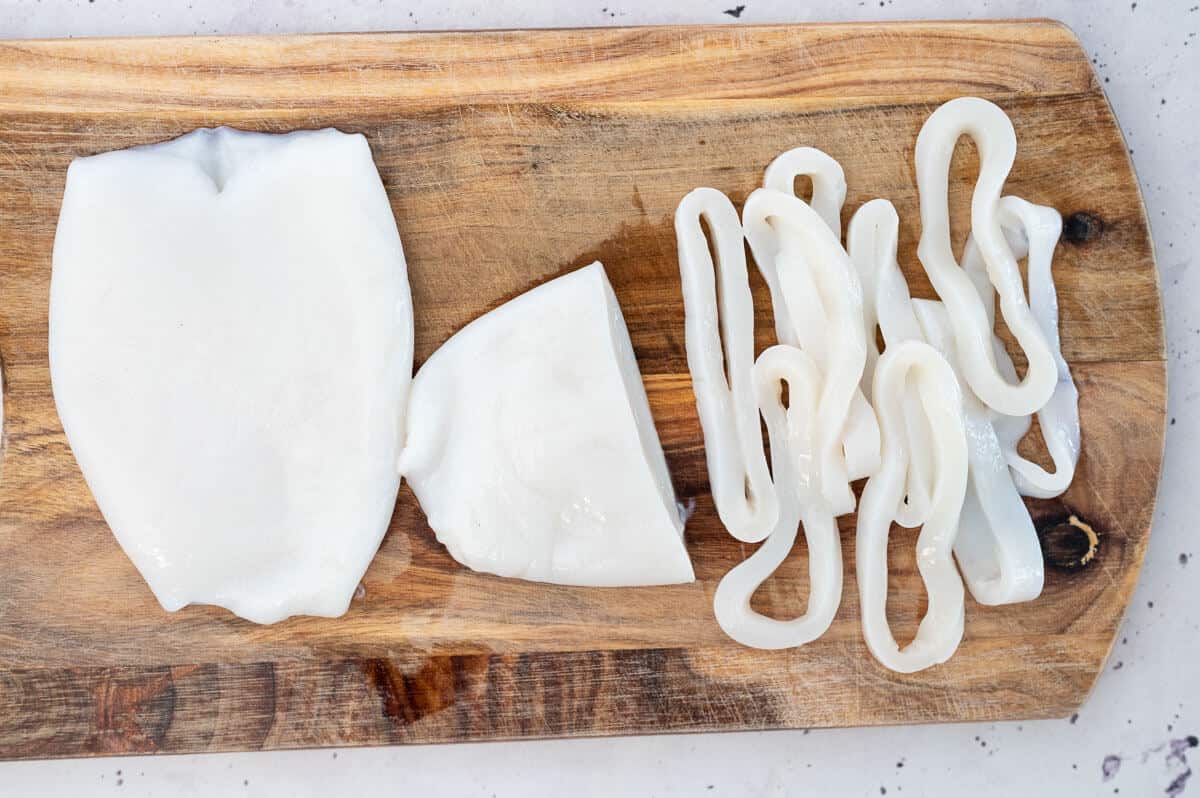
(1137, 733)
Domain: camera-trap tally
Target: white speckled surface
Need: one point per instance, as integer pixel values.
(1148, 54)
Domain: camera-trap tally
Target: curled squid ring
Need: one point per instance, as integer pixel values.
(727, 406)
(861, 438)
(1034, 230)
(790, 430)
(993, 134)
(997, 547)
(913, 365)
(871, 241)
(796, 250)
(1059, 417)
(828, 182)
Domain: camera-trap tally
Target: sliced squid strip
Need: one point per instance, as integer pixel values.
(799, 305)
(800, 501)
(917, 366)
(1033, 231)
(828, 182)
(860, 439)
(770, 216)
(995, 139)
(728, 409)
(804, 322)
(803, 297)
(1010, 429)
(871, 242)
(1059, 417)
(997, 547)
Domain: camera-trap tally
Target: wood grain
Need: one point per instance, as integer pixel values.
(510, 157)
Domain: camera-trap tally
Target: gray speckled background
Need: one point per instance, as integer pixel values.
(1132, 737)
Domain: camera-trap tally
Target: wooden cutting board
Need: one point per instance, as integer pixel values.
(511, 157)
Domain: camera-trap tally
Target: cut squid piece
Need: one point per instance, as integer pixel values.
(1010, 429)
(828, 182)
(993, 134)
(803, 319)
(1034, 230)
(997, 547)
(796, 250)
(231, 348)
(531, 447)
(1059, 417)
(719, 336)
(800, 500)
(800, 314)
(913, 365)
(871, 242)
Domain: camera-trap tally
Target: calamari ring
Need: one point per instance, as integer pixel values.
(790, 432)
(800, 315)
(1034, 230)
(997, 547)
(728, 410)
(871, 242)
(779, 227)
(916, 365)
(993, 134)
(828, 181)
(1059, 417)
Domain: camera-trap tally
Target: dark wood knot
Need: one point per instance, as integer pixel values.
(1082, 227)
(1069, 543)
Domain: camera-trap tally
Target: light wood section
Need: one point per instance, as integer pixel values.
(510, 157)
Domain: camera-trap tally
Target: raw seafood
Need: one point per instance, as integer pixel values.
(231, 348)
(1059, 417)
(795, 484)
(1033, 230)
(993, 134)
(788, 237)
(871, 242)
(939, 633)
(719, 332)
(532, 450)
(800, 500)
(803, 311)
(997, 548)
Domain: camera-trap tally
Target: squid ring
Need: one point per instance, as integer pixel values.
(728, 410)
(796, 483)
(994, 136)
(997, 547)
(915, 365)
(871, 241)
(779, 227)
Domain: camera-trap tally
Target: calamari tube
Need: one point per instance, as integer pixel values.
(230, 344)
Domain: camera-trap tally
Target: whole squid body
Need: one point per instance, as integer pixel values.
(231, 340)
